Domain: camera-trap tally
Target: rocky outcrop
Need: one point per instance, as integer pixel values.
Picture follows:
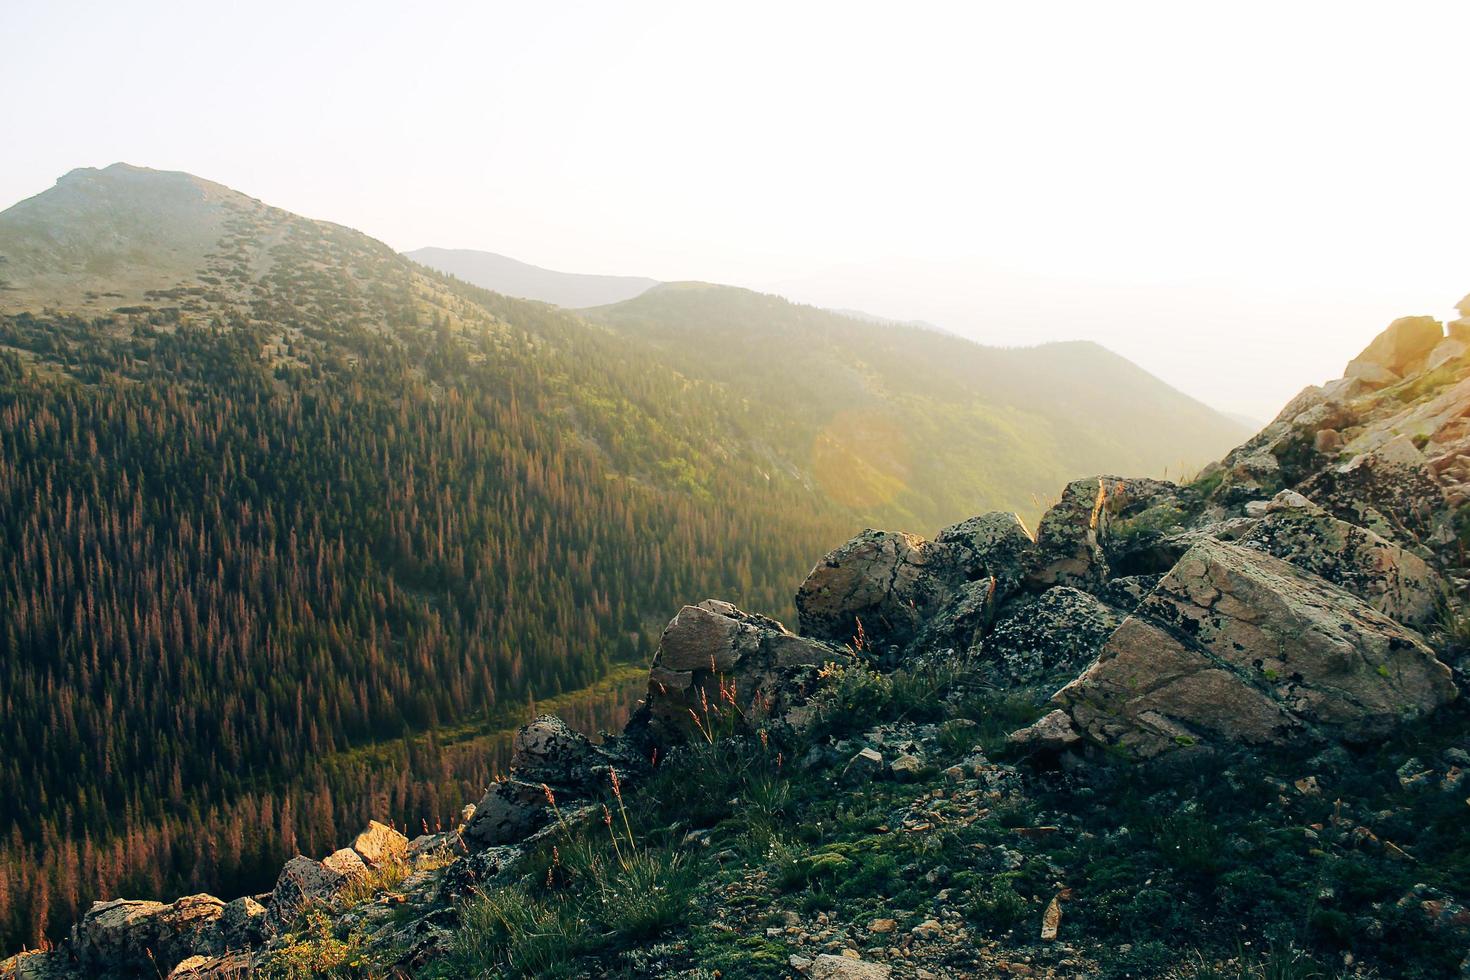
(1073, 545)
(1401, 350)
(146, 938)
(1236, 646)
(1390, 491)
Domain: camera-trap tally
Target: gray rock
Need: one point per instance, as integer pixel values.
(828, 966)
(123, 937)
(510, 811)
(1390, 491)
(477, 870)
(547, 751)
(992, 546)
(347, 863)
(906, 768)
(1054, 732)
(863, 767)
(1073, 545)
(302, 882)
(243, 924)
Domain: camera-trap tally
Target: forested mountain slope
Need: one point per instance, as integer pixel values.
(311, 497)
(285, 517)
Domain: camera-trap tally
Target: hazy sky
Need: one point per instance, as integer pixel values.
(1236, 195)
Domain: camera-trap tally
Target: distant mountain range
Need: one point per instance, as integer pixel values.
(524, 281)
(273, 495)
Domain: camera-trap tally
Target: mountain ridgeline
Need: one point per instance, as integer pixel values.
(289, 523)
(524, 281)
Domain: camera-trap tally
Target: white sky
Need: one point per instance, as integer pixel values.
(1237, 196)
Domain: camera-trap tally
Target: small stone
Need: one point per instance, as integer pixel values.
(882, 925)
(927, 929)
(1051, 920)
(864, 766)
(906, 767)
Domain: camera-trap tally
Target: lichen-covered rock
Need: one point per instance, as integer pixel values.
(380, 845)
(1070, 540)
(719, 666)
(510, 811)
(876, 591)
(243, 923)
(124, 937)
(40, 965)
(475, 871)
(1041, 642)
(1069, 537)
(301, 882)
(1402, 349)
(1236, 646)
(1396, 582)
(1390, 491)
(992, 546)
(961, 624)
(1289, 449)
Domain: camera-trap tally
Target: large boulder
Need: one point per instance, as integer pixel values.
(510, 811)
(994, 547)
(134, 938)
(1396, 582)
(1041, 642)
(380, 845)
(302, 883)
(1399, 351)
(1071, 538)
(1236, 646)
(876, 591)
(718, 668)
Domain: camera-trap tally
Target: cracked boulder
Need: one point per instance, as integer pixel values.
(1237, 646)
(720, 667)
(876, 591)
